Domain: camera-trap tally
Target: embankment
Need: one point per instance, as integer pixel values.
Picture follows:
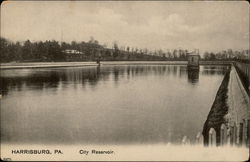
(44, 65)
(218, 111)
(231, 107)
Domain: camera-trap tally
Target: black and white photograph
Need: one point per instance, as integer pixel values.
(125, 80)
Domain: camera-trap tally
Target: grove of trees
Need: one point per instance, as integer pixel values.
(47, 51)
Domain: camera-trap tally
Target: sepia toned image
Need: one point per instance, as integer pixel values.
(125, 81)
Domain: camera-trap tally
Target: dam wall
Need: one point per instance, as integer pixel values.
(228, 122)
(238, 116)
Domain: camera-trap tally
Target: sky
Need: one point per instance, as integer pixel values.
(204, 25)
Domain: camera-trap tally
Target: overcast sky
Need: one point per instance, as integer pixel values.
(205, 25)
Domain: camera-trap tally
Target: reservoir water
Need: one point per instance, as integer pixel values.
(112, 104)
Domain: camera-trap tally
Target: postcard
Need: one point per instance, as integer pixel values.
(125, 81)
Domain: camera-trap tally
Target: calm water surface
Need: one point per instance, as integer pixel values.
(106, 105)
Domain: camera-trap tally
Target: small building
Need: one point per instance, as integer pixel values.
(193, 59)
(74, 55)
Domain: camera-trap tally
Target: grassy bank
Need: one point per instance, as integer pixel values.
(218, 111)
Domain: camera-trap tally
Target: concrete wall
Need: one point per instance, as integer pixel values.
(234, 126)
(239, 110)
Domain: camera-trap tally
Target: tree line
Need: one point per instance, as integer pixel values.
(243, 55)
(46, 51)
(42, 51)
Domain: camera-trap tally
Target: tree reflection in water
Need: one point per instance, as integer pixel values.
(51, 78)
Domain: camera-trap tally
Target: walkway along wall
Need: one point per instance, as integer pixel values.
(243, 70)
(229, 116)
(238, 117)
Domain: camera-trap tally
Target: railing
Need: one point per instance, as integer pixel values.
(198, 139)
(244, 72)
(231, 135)
(203, 62)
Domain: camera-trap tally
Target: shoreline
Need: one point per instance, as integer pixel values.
(31, 65)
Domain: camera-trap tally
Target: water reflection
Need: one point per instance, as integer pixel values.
(193, 76)
(51, 78)
(212, 70)
(44, 79)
